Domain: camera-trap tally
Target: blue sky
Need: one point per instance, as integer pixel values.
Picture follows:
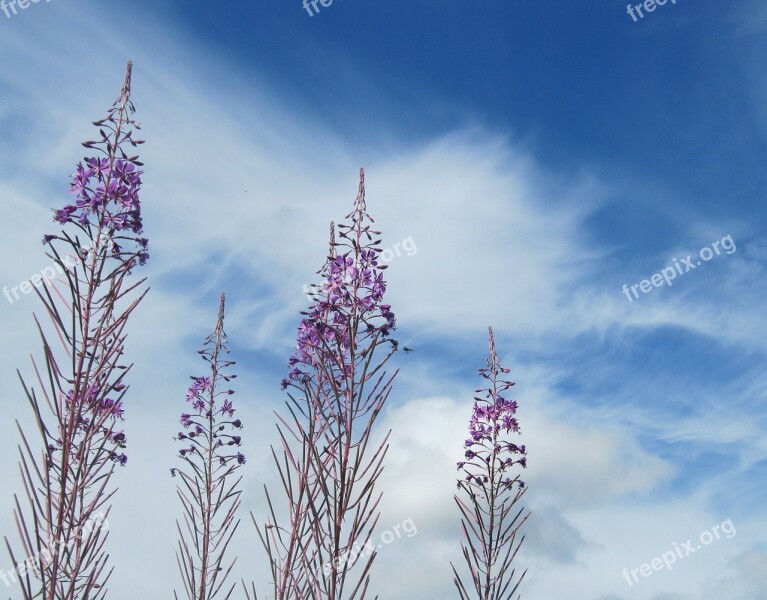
(538, 155)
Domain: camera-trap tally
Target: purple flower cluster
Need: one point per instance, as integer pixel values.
(108, 198)
(105, 406)
(487, 420)
(105, 412)
(203, 427)
(352, 293)
(199, 386)
(488, 453)
(209, 425)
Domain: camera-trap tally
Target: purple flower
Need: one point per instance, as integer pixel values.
(121, 459)
(119, 438)
(64, 215)
(115, 409)
(198, 387)
(227, 409)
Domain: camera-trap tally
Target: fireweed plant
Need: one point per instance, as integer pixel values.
(337, 387)
(78, 399)
(209, 490)
(488, 493)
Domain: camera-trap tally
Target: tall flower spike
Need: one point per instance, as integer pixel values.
(338, 387)
(210, 454)
(79, 400)
(332, 251)
(107, 207)
(488, 493)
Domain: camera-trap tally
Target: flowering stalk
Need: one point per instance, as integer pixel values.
(327, 469)
(211, 457)
(489, 521)
(78, 402)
